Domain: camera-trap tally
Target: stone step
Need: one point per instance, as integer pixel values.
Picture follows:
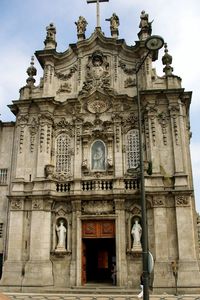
(59, 296)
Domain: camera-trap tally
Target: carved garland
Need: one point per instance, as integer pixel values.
(174, 110)
(163, 119)
(22, 121)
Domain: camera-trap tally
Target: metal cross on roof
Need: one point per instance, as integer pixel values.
(97, 9)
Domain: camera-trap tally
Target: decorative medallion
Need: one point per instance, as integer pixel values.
(97, 106)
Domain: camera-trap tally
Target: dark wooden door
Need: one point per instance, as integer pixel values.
(84, 278)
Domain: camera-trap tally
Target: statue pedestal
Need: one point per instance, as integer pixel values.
(81, 36)
(114, 33)
(60, 249)
(136, 248)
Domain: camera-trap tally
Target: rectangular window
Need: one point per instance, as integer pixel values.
(3, 176)
(1, 230)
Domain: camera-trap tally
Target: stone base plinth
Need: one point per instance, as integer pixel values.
(12, 273)
(38, 273)
(164, 279)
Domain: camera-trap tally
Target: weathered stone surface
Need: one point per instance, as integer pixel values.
(73, 156)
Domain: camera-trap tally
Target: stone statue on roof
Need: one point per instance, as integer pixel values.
(81, 26)
(114, 24)
(145, 26)
(144, 20)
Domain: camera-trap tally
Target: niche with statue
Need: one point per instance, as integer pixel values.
(136, 234)
(61, 235)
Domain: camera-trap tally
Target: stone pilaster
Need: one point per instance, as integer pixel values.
(44, 147)
(121, 262)
(38, 270)
(21, 146)
(188, 258)
(162, 276)
(118, 147)
(13, 266)
(75, 267)
(77, 149)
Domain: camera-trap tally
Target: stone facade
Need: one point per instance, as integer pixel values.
(72, 157)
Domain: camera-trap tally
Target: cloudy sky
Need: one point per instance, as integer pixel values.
(22, 32)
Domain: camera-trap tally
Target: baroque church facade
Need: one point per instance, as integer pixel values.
(69, 169)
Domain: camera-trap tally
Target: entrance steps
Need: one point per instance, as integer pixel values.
(94, 294)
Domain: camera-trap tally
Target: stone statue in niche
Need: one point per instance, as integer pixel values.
(136, 233)
(61, 236)
(98, 156)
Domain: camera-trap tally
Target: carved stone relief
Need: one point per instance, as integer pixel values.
(98, 106)
(22, 122)
(45, 122)
(129, 122)
(174, 113)
(158, 202)
(37, 204)
(16, 204)
(182, 200)
(163, 119)
(129, 82)
(97, 73)
(97, 207)
(33, 128)
(129, 71)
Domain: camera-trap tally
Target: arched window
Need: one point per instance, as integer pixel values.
(133, 150)
(63, 157)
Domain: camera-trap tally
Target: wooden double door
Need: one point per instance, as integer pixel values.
(98, 250)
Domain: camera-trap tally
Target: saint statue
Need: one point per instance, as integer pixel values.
(98, 159)
(114, 23)
(61, 234)
(145, 25)
(136, 232)
(81, 25)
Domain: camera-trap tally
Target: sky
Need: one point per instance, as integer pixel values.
(23, 30)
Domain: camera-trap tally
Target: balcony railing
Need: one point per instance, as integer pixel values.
(131, 184)
(97, 185)
(101, 185)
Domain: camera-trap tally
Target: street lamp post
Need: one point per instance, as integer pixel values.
(153, 43)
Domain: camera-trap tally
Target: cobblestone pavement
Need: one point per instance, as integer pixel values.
(67, 297)
(30, 296)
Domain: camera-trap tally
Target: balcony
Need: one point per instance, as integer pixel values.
(98, 185)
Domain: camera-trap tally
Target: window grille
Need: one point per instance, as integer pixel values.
(3, 176)
(63, 157)
(133, 150)
(1, 230)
